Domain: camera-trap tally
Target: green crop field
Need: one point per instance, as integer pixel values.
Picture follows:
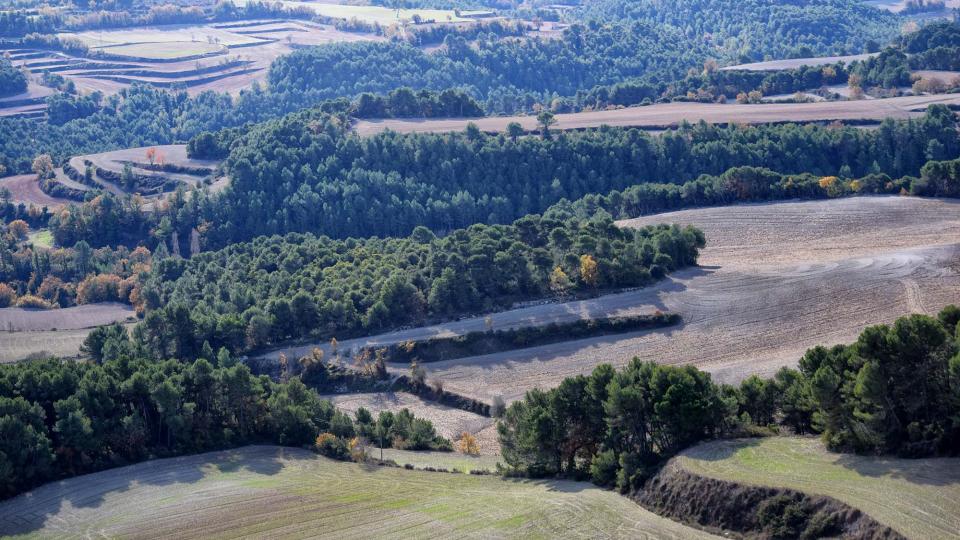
(163, 51)
(452, 461)
(919, 497)
(271, 492)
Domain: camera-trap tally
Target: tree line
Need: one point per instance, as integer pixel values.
(896, 390)
(65, 418)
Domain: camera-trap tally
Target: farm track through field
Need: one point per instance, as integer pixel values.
(672, 114)
(775, 280)
(271, 492)
(918, 497)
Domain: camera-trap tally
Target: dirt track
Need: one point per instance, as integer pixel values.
(272, 492)
(671, 114)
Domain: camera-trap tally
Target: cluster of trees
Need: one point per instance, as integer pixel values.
(505, 75)
(896, 390)
(65, 418)
(17, 23)
(404, 103)
(41, 277)
(401, 430)
(274, 288)
(935, 46)
(12, 79)
(747, 184)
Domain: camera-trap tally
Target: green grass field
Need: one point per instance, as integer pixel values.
(163, 51)
(271, 492)
(451, 461)
(919, 498)
(42, 238)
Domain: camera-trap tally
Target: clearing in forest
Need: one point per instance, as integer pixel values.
(919, 498)
(272, 492)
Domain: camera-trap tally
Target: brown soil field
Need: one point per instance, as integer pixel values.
(775, 280)
(272, 492)
(794, 63)
(671, 114)
(71, 318)
(25, 188)
(55, 331)
(449, 422)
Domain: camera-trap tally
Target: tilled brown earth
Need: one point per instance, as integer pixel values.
(775, 280)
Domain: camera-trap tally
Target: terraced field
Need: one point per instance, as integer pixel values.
(271, 492)
(25, 188)
(169, 168)
(918, 497)
(794, 63)
(665, 115)
(223, 57)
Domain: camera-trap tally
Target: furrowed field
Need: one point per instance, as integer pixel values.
(271, 492)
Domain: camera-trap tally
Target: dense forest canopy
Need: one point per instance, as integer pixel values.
(762, 29)
(283, 170)
(275, 288)
(12, 80)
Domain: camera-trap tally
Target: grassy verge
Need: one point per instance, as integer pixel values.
(919, 498)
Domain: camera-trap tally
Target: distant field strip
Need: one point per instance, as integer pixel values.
(918, 497)
(271, 492)
(671, 114)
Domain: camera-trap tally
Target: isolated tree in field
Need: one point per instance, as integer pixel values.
(545, 119)
(468, 444)
(514, 130)
(43, 165)
(589, 273)
(151, 155)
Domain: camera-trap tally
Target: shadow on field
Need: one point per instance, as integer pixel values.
(29, 512)
(560, 486)
(928, 472)
(720, 450)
